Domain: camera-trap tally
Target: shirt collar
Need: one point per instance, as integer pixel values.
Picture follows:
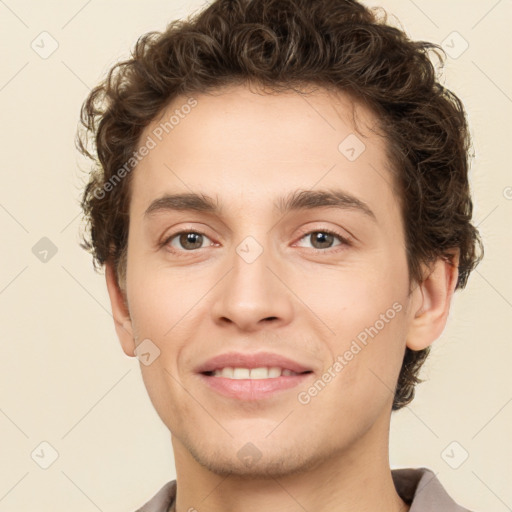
(421, 489)
(418, 487)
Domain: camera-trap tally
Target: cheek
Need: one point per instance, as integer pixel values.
(348, 300)
(160, 299)
(365, 310)
(162, 309)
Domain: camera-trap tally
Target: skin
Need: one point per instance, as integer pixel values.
(247, 148)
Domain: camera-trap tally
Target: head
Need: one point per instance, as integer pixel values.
(250, 115)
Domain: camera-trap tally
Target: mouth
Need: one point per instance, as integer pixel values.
(261, 373)
(252, 377)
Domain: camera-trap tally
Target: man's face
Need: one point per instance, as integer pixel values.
(252, 277)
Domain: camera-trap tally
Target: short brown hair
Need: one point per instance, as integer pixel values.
(283, 44)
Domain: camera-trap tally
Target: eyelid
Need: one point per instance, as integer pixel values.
(167, 238)
(342, 245)
(184, 227)
(344, 239)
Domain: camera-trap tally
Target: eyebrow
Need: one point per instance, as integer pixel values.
(297, 200)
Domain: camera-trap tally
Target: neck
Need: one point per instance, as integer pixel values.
(357, 478)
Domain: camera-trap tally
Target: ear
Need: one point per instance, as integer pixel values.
(120, 312)
(435, 296)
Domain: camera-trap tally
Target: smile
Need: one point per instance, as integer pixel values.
(252, 373)
(251, 376)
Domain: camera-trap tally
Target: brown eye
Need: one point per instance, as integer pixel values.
(323, 239)
(187, 240)
(191, 240)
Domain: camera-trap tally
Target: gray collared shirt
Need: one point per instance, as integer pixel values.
(418, 487)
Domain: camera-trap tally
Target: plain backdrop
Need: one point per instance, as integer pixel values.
(64, 379)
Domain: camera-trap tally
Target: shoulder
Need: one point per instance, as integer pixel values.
(422, 490)
(162, 500)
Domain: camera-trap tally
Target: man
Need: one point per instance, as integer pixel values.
(282, 207)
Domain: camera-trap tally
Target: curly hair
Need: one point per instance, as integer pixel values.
(283, 44)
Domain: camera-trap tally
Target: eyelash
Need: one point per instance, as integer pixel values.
(344, 241)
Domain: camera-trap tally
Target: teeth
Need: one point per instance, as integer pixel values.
(241, 373)
(274, 372)
(252, 373)
(227, 372)
(259, 373)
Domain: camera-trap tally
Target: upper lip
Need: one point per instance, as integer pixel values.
(255, 360)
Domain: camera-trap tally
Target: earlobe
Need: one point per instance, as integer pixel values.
(436, 292)
(120, 312)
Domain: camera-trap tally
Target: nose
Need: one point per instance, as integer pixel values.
(253, 295)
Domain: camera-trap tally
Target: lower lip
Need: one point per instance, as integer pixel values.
(253, 389)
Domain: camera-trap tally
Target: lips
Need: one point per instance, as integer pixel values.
(257, 360)
(252, 377)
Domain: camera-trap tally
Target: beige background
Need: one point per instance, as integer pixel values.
(63, 376)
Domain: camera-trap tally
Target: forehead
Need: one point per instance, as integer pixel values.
(245, 146)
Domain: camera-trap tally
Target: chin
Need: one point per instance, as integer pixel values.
(249, 462)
